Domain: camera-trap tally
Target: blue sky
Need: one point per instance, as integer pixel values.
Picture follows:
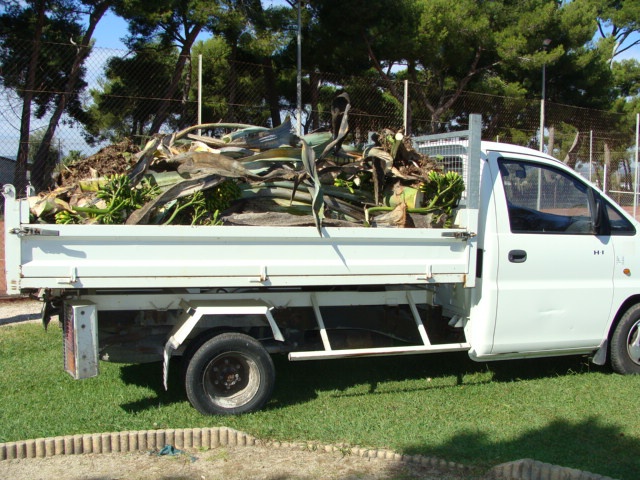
(109, 31)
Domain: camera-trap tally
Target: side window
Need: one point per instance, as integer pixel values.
(619, 224)
(543, 199)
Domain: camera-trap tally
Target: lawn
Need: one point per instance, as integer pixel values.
(562, 411)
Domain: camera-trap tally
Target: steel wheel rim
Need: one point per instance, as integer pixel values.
(231, 379)
(633, 343)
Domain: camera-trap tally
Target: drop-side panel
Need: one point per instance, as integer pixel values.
(107, 256)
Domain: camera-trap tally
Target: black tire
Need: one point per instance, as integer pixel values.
(625, 343)
(231, 373)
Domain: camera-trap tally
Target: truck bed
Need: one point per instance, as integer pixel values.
(43, 256)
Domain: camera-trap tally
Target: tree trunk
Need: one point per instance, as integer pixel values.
(271, 93)
(43, 166)
(551, 140)
(232, 83)
(185, 118)
(314, 87)
(20, 175)
(163, 110)
(572, 157)
(444, 103)
(377, 65)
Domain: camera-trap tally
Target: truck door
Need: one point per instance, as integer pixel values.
(555, 274)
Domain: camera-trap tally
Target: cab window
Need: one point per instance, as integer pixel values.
(619, 224)
(544, 199)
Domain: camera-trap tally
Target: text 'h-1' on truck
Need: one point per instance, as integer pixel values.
(537, 263)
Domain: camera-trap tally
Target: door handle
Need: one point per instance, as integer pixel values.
(517, 256)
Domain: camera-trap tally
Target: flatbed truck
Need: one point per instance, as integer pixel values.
(539, 263)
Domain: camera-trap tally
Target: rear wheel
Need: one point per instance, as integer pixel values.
(625, 343)
(229, 374)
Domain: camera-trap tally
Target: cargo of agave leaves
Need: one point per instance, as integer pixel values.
(237, 174)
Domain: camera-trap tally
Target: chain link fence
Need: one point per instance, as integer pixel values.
(121, 94)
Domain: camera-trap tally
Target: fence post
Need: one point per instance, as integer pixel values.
(200, 92)
(475, 145)
(590, 155)
(635, 182)
(406, 107)
(299, 73)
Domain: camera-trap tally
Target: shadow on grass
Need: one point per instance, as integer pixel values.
(298, 382)
(590, 445)
(149, 375)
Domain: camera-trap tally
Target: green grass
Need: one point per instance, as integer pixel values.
(562, 411)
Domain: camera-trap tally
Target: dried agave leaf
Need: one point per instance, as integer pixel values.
(396, 218)
(48, 205)
(197, 162)
(280, 219)
(341, 132)
(211, 141)
(145, 157)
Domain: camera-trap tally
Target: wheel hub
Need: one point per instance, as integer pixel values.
(227, 374)
(633, 343)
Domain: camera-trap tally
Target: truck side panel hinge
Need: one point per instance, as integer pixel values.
(24, 231)
(460, 235)
(464, 235)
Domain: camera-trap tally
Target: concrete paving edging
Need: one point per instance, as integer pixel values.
(208, 438)
(527, 469)
(199, 438)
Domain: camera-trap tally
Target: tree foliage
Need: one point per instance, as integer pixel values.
(125, 103)
(168, 24)
(32, 67)
(444, 49)
(618, 21)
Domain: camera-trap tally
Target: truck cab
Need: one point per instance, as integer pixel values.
(558, 265)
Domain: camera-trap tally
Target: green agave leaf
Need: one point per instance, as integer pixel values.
(186, 187)
(281, 154)
(236, 152)
(314, 187)
(262, 138)
(252, 130)
(318, 141)
(207, 126)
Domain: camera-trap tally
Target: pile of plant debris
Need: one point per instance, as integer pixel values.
(238, 174)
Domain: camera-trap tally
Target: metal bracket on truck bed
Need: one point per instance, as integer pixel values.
(194, 311)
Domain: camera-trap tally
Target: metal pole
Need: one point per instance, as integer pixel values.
(635, 186)
(406, 106)
(590, 153)
(539, 199)
(542, 107)
(299, 80)
(199, 92)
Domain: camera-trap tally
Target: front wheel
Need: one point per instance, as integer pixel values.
(229, 374)
(625, 343)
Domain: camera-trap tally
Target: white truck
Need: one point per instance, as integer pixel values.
(539, 263)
